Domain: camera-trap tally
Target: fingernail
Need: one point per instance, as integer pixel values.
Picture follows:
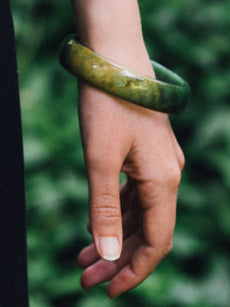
(109, 248)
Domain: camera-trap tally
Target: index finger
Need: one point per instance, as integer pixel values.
(158, 226)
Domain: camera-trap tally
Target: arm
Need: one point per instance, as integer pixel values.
(119, 136)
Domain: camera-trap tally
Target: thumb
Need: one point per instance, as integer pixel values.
(105, 212)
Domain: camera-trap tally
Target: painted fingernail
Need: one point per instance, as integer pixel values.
(109, 248)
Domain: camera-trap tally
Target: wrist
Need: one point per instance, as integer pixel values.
(113, 29)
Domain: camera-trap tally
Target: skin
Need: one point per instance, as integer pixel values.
(120, 136)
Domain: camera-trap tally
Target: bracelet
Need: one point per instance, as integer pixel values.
(167, 93)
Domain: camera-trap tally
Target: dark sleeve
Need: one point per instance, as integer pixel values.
(13, 275)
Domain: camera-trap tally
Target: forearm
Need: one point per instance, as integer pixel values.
(113, 29)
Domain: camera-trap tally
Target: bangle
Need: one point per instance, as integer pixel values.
(168, 93)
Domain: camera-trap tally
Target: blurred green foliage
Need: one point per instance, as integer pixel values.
(190, 37)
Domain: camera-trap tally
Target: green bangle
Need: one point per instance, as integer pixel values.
(168, 93)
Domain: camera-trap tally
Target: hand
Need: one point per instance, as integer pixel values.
(120, 136)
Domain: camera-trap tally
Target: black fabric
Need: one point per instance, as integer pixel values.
(13, 276)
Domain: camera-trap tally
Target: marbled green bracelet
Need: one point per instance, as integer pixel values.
(167, 93)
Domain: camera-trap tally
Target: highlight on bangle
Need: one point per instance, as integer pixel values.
(167, 93)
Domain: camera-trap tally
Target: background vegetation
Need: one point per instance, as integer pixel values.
(190, 37)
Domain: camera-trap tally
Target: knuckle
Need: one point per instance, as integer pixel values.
(173, 175)
(106, 210)
(167, 249)
(181, 159)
